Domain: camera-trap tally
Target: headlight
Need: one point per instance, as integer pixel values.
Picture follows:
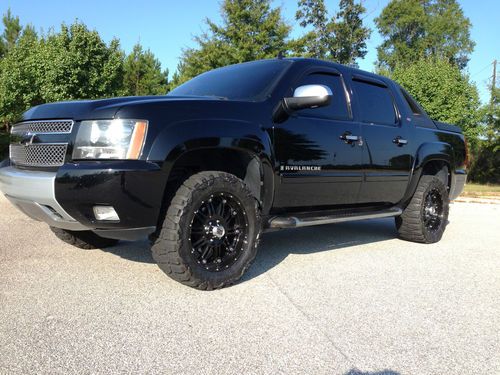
(110, 139)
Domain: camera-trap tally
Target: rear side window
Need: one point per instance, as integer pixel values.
(338, 107)
(415, 109)
(375, 103)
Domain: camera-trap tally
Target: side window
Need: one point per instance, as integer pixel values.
(415, 109)
(375, 103)
(338, 107)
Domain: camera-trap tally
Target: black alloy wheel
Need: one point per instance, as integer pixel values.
(219, 231)
(210, 232)
(433, 210)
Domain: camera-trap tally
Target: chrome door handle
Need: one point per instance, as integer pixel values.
(349, 138)
(399, 141)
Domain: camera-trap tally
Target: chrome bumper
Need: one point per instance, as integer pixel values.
(33, 193)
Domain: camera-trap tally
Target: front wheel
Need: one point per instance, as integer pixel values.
(425, 218)
(210, 233)
(86, 239)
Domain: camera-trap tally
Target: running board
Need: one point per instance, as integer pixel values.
(305, 220)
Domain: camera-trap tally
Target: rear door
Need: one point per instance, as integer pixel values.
(386, 152)
(316, 165)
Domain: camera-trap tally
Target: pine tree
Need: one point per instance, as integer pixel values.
(341, 39)
(250, 30)
(11, 33)
(143, 74)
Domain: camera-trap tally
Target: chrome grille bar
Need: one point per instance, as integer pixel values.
(39, 155)
(43, 127)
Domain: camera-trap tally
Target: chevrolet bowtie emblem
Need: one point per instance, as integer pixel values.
(29, 141)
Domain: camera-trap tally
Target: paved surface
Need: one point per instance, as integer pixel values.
(346, 298)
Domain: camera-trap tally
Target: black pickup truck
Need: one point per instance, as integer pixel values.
(202, 171)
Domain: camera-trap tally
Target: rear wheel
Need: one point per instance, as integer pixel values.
(86, 239)
(425, 218)
(210, 233)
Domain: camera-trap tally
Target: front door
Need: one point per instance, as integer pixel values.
(318, 156)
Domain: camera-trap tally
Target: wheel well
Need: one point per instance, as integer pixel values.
(440, 169)
(242, 164)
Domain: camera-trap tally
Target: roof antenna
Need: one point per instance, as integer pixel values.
(280, 55)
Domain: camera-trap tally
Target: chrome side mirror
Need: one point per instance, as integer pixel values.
(309, 96)
(304, 97)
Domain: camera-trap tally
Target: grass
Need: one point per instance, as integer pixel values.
(479, 190)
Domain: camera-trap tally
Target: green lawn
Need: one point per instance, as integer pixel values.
(478, 190)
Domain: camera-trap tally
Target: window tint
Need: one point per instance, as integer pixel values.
(247, 81)
(375, 103)
(338, 107)
(411, 103)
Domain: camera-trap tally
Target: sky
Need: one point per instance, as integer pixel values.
(166, 27)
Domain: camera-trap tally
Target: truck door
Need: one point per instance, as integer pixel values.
(386, 152)
(317, 150)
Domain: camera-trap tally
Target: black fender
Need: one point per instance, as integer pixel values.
(427, 152)
(178, 138)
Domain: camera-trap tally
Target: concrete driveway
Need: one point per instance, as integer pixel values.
(338, 299)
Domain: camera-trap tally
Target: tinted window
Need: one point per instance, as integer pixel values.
(412, 103)
(338, 107)
(248, 81)
(375, 103)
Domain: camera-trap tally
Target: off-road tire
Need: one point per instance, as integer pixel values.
(86, 239)
(411, 225)
(172, 248)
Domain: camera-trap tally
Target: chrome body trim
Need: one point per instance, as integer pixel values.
(33, 193)
(296, 222)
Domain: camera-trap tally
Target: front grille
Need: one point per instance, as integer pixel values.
(43, 127)
(38, 155)
(39, 143)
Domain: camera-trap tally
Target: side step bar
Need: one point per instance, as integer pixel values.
(305, 220)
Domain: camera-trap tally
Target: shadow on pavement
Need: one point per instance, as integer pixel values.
(383, 372)
(276, 246)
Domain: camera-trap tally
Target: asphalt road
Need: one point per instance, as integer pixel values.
(336, 299)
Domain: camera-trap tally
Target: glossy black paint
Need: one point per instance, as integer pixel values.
(374, 171)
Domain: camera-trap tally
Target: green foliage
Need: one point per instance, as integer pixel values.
(444, 92)
(72, 64)
(341, 39)
(143, 74)
(12, 31)
(486, 163)
(20, 70)
(250, 30)
(415, 29)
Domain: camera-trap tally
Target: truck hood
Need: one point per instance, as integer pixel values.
(95, 109)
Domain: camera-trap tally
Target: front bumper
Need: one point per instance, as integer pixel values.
(65, 198)
(33, 193)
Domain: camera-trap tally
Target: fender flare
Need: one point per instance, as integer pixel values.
(427, 152)
(176, 139)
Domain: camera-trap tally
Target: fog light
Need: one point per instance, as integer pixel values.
(105, 213)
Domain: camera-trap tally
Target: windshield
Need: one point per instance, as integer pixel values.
(248, 81)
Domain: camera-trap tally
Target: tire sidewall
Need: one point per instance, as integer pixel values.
(433, 236)
(239, 191)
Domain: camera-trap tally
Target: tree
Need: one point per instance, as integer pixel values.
(72, 64)
(250, 30)
(486, 163)
(19, 72)
(341, 39)
(143, 74)
(444, 92)
(11, 33)
(416, 29)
